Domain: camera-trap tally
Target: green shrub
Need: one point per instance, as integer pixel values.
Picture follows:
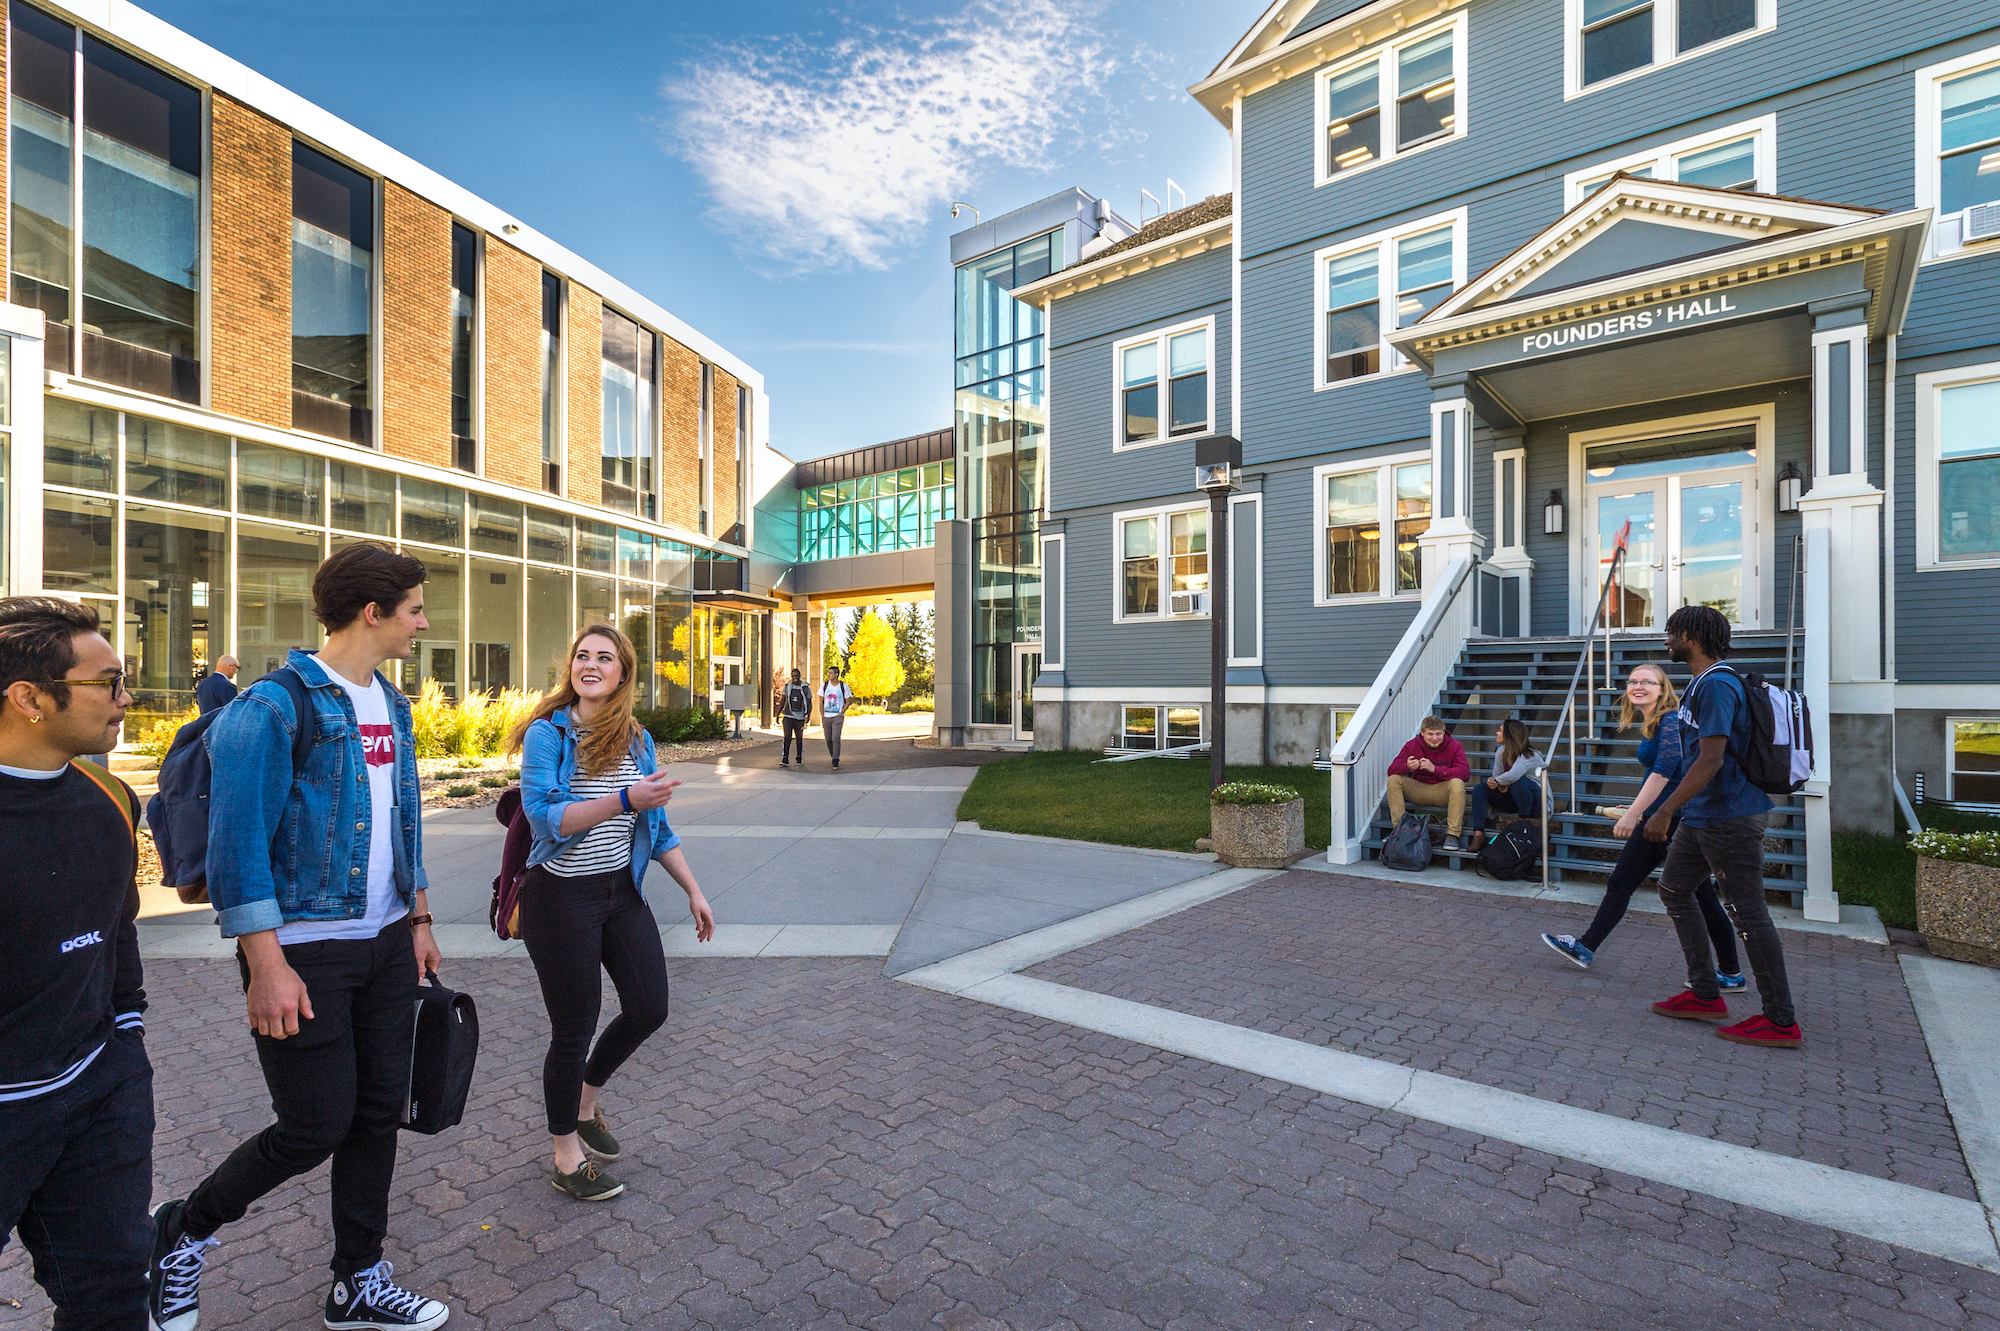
(682, 725)
(493, 782)
(433, 721)
(159, 737)
(923, 702)
(469, 764)
(1962, 847)
(1249, 792)
(867, 709)
(461, 790)
(513, 774)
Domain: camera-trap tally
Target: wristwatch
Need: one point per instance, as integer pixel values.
(416, 920)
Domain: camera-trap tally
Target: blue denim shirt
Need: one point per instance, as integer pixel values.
(285, 846)
(548, 765)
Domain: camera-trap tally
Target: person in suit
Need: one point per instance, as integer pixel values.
(217, 687)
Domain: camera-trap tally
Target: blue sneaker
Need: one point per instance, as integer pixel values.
(1570, 948)
(1731, 983)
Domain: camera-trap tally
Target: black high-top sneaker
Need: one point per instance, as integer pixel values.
(173, 1279)
(370, 1301)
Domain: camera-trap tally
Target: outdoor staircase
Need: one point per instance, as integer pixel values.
(1496, 678)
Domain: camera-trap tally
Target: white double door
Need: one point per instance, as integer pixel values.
(1694, 541)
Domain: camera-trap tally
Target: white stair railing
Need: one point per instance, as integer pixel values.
(1399, 699)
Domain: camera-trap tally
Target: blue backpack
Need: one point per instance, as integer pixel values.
(178, 815)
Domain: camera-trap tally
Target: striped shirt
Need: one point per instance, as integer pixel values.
(607, 846)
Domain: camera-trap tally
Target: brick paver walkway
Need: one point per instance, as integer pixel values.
(812, 1145)
(1462, 984)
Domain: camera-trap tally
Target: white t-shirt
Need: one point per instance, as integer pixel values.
(378, 750)
(833, 698)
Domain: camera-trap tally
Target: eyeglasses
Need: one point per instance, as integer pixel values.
(116, 683)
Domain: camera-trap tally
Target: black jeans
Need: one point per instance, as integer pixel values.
(1734, 853)
(76, 1178)
(572, 926)
(1635, 864)
(337, 1087)
(1524, 797)
(795, 733)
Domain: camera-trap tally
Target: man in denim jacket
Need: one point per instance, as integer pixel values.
(318, 874)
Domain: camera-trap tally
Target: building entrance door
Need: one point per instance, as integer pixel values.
(1027, 665)
(1696, 514)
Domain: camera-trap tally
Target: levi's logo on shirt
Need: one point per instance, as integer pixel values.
(378, 744)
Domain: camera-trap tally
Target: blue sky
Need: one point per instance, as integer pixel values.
(777, 174)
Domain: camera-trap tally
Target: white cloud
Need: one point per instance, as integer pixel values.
(830, 157)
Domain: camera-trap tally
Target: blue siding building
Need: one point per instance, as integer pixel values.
(1497, 281)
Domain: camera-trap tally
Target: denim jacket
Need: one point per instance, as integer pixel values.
(285, 846)
(548, 765)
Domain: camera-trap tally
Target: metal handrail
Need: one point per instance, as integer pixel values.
(1567, 718)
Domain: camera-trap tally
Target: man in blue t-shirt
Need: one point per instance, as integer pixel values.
(1721, 833)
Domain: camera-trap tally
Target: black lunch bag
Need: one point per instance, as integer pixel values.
(1409, 846)
(446, 1046)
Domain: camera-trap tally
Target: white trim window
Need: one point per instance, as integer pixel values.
(1159, 726)
(1958, 149)
(1973, 776)
(1958, 468)
(1609, 41)
(1368, 288)
(1163, 386)
(1354, 507)
(1162, 563)
(1400, 97)
(1742, 156)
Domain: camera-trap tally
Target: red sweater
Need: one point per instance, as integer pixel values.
(1448, 757)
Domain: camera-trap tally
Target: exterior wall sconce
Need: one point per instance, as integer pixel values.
(1552, 514)
(1790, 483)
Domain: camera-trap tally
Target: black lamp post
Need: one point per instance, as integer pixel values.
(1218, 466)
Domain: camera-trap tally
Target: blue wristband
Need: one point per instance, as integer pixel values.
(625, 798)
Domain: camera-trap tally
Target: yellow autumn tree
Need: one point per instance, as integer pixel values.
(872, 668)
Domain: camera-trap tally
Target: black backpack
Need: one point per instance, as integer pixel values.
(1780, 757)
(798, 700)
(446, 1047)
(177, 815)
(1513, 854)
(1408, 847)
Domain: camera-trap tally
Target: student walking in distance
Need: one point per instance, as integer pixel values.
(1515, 783)
(797, 708)
(217, 687)
(1721, 832)
(329, 944)
(834, 695)
(595, 799)
(1430, 772)
(1664, 751)
(76, 1089)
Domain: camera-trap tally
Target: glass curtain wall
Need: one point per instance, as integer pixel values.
(191, 544)
(138, 209)
(552, 303)
(333, 290)
(891, 510)
(464, 298)
(1001, 418)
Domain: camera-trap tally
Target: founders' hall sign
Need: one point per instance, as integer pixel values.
(1656, 318)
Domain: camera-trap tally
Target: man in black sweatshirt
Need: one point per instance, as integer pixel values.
(76, 1089)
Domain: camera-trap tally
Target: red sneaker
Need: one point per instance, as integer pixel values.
(1759, 1030)
(1685, 1004)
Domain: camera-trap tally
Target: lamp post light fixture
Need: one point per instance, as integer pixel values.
(1790, 484)
(1218, 468)
(1552, 514)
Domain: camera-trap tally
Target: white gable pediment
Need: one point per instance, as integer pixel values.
(1633, 224)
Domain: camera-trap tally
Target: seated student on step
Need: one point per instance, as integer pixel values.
(1516, 782)
(1430, 772)
(1666, 754)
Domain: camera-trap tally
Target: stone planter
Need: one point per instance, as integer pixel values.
(1958, 910)
(1258, 836)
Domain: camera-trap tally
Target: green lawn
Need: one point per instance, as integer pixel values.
(1156, 802)
(1881, 871)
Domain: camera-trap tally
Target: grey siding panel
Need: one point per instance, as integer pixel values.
(1101, 654)
(1083, 469)
(1520, 126)
(1953, 308)
(1944, 625)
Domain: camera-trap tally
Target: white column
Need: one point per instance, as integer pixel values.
(1451, 532)
(22, 522)
(1510, 559)
(1821, 903)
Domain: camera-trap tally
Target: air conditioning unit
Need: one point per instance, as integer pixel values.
(1982, 222)
(1188, 603)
